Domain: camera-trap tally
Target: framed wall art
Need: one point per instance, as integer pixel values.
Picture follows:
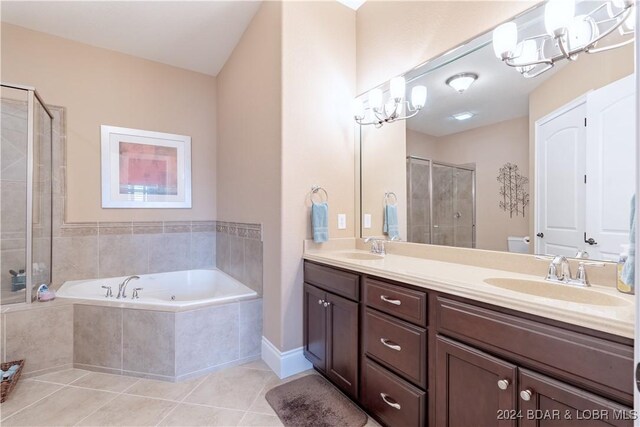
(145, 169)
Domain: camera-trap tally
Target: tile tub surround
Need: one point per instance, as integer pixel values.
(166, 345)
(239, 252)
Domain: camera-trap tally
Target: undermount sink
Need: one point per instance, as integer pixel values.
(557, 291)
(362, 256)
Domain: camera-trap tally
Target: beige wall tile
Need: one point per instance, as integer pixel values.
(97, 336)
(148, 342)
(123, 255)
(252, 274)
(169, 252)
(74, 258)
(250, 328)
(41, 347)
(203, 245)
(206, 338)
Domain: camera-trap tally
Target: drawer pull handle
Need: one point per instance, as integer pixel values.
(389, 344)
(390, 301)
(320, 301)
(385, 397)
(503, 384)
(525, 395)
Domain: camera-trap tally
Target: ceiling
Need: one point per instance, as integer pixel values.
(500, 93)
(195, 35)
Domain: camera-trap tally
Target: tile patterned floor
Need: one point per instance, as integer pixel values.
(231, 397)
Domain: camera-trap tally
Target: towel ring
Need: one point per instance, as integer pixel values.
(316, 190)
(389, 195)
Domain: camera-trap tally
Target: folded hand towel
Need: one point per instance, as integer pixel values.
(390, 226)
(629, 268)
(320, 222)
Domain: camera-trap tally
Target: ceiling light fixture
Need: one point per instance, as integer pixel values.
(461, 82)
(378, 113)
(566, 35)
(463, 116)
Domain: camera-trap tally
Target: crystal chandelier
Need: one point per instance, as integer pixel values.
(378, 113)
(567, 35)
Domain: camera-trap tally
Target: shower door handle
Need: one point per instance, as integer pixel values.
(457, 215)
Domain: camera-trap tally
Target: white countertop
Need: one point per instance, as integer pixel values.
(469, 282)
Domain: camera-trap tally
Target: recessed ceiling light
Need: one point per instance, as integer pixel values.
(461, 82)
(463, 116)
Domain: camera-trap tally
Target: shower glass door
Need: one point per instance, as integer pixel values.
(419, 200)
(453, 190)
(25, 194)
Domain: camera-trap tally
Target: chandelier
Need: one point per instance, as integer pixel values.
(378, 113)
(567, 35)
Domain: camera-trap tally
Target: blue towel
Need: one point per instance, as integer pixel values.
(320, 222)
(629, 268)
(390, 226)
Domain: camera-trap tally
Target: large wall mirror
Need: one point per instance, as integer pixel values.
(500, 158)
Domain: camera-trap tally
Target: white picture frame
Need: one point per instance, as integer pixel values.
(145, 170)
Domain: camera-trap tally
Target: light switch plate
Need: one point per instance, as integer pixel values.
(342, 221)
(366, 221)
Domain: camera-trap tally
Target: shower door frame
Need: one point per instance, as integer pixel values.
(32, 96)
(473, 195)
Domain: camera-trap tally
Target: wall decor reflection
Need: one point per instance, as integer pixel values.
(513, 190)
(145, 169)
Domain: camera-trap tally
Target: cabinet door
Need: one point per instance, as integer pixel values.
(545, 402)
(342, 343)
(468, 387)
(315, 326)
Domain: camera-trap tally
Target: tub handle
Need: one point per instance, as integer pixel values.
(135, 293)
(109, 294)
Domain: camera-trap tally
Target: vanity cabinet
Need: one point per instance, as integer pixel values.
(331, 325)
(412, 357)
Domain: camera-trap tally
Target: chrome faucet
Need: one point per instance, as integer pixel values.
(560, 272)
(377, 245)
(122, 288)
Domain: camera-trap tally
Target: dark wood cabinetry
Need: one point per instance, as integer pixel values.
(472, 388)
(414, 358)
(331, 329)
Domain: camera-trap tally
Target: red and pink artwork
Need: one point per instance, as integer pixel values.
(148, 169)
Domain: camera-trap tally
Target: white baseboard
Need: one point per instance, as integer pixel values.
(284, 364)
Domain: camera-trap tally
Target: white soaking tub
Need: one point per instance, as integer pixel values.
(174, 289)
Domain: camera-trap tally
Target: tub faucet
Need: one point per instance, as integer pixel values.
(122, 288)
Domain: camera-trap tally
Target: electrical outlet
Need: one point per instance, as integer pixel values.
(342, 221)
(366, 222)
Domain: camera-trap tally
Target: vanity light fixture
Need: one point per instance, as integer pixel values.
(461, 82)
(378, 113)
(567, 35)
(463, 116)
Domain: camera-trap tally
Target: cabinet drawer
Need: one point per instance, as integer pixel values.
(401, 302)
(397, 344)
(595, 363)
(390, 398)
(337, 281)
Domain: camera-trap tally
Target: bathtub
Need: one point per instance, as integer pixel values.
(179, 289)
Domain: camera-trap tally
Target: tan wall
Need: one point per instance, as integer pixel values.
(384, 170)
(489, 147)
(589, 72)
(318, 85)
(396, 36)
(99, 86)
(249, 146)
